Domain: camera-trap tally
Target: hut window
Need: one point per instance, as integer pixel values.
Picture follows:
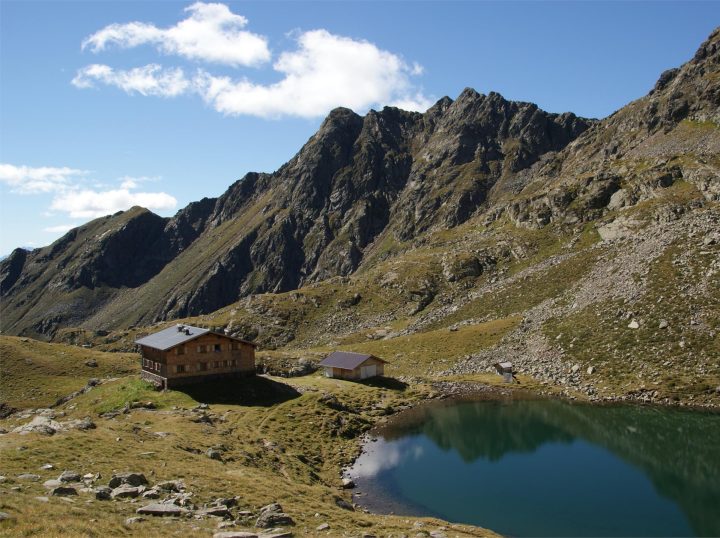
(180, 368)
(225, 364)
(157, 366)
(218, 348)
(202, 349)
(234, 362)
(181, 350)
(217, 364)
(235, 346)
(202, 366)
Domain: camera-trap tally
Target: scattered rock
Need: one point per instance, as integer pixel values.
(217, 511)
(125, 492)
(322, 527)
(175, 486)
(575, 369)
(134, 520)
(69, 476)
(4, 516)
(47, 467)
(62, 491)
(80, 424)
(92, 363)
(229, 502)
(103, 493)
(663, 324)
(42, 499)
(633, 325)
(591, 370)
(160, 510)
(53, 483)
(235, 534)
(151, 494)
(342, 503)
(272, 515)
(131, 479)
(347, 483)
(214, 454)
(29, 477)
(39, 424)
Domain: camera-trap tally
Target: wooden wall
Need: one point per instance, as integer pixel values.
(193, 354)
(354, 375)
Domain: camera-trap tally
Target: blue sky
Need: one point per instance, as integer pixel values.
(97, 114)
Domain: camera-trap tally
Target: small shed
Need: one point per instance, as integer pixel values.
(354, 366)
(505, 370)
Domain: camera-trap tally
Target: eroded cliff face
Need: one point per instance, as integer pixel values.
(364, 188)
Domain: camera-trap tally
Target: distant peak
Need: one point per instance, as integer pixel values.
(469, 94)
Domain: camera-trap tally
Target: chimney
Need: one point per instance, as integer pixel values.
(187, 331)
(180, 327)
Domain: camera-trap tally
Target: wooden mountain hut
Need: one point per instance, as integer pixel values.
(184, 354)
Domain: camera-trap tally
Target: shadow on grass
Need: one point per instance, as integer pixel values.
(385, 383)
(249, 391)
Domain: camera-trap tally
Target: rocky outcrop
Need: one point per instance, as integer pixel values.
(389, 177)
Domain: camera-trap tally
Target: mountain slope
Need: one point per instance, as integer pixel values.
(391, 171)
(479, 183)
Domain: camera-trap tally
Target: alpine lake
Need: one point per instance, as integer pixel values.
(548, 468)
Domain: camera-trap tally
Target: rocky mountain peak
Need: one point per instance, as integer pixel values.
(367, 187)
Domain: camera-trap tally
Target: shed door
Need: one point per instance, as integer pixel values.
(367, 371)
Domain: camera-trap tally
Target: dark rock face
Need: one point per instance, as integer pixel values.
(389, 176)
(11, 269)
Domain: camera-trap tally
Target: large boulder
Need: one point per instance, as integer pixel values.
(130, 479)
(160, 510)
(272, 515)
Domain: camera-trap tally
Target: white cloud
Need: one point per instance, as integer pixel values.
(132, 182)
(90, 204)
(324, 72)
(150, 79)
(72, 197)
(212, 33)
(61, 228)
(42, 179)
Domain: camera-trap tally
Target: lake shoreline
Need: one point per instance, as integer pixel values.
(388, 500)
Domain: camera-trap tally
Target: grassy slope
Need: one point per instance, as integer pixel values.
(36, 374)
(277, 445)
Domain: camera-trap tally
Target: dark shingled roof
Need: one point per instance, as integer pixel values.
(171, 337)
(346, 360)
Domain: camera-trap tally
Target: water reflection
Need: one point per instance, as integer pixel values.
(645, 471)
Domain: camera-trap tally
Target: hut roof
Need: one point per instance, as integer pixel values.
(178, 334)
(346, 360)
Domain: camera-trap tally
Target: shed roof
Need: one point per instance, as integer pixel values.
(346, 360)
(178, 334)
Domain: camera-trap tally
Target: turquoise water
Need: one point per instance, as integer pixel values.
(549, 468)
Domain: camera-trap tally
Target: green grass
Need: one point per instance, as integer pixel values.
(280, 441)
(36, 374)
(423, 353)
(627, 359)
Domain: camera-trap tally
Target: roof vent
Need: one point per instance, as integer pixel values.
(187, 331)
(180, 327)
